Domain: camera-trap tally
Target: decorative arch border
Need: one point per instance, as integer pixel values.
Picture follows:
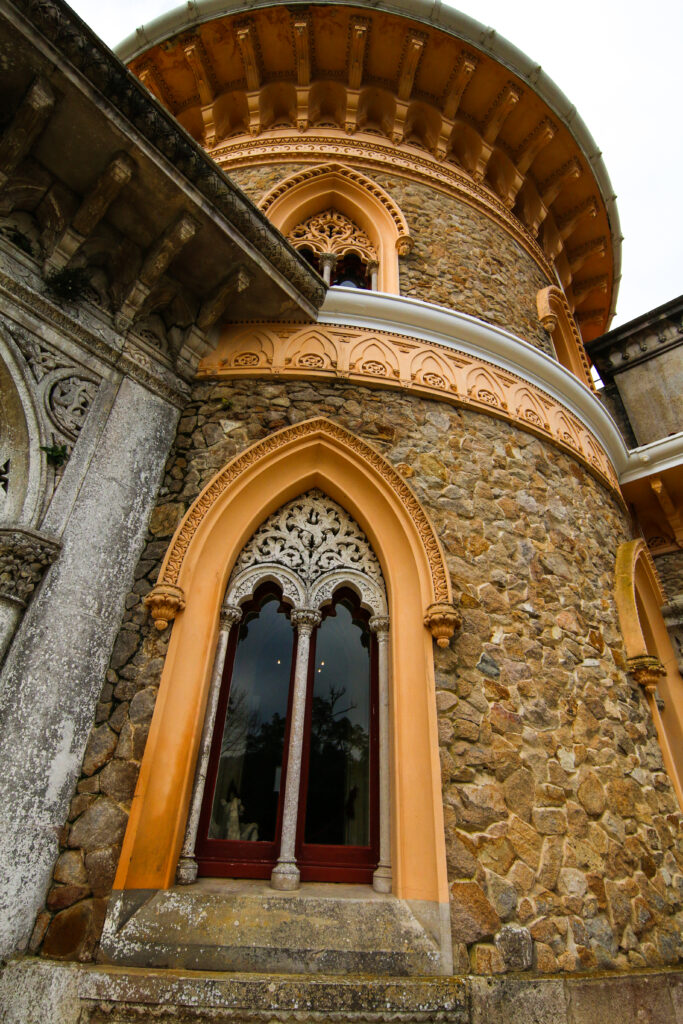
(335, 185)
(313, 454)
(555, 315)
(651, 659)
(379, 358)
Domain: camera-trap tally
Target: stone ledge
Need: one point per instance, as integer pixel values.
(33, 991)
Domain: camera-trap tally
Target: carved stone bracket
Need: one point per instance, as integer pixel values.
(164, 602)
(647, 670)
(442, 620)
(24, 557)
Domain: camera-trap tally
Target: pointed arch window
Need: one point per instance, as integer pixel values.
(338, 249)
(293, 773)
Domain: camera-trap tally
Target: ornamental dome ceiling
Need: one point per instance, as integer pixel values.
(429, 95)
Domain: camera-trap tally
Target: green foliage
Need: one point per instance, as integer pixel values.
(55, 454)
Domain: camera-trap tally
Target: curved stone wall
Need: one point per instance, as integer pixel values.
(562, 834)
(460, 258)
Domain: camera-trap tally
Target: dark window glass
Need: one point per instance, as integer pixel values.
(245, 799)
(351, 272)
(338, 798)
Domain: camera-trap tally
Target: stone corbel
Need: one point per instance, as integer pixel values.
(157, 260)
(91, 211)
(404, 245)
(647, 670)
(442, 620)
(25, 127)
(164, 602)
(195, 346)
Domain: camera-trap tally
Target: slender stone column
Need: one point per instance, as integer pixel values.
(328, 262)
(187, 865)
(373, 267)
(381, 879)
(285, 873)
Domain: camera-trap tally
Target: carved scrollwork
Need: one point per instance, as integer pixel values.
(331, 232)
(310, 546)
(68, 402)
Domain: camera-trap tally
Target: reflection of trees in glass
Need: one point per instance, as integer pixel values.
(336, 810)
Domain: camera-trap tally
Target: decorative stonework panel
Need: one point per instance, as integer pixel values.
(332, 232)
(310, 546)
(389, 360)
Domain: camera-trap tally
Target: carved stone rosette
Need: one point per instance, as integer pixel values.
(442, 620)
(647, 670)
(24, 557)
(164, 602)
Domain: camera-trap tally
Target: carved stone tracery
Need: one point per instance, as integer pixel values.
(331, 232)
(310, 547)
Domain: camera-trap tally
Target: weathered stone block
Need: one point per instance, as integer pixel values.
(472, 916)
(101, 825)
(100, 748)
(515, 946)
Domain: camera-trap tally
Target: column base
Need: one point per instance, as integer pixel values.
(285, 877)
(381, 879)
(186, 872)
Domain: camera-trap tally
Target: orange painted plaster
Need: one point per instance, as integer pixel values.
(639, 599)
(315, 457)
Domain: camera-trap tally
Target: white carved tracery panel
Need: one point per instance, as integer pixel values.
(309, 547)
(332, 232)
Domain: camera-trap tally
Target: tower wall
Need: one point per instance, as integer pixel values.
(563, 838)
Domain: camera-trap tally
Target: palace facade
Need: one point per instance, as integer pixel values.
(341, 613)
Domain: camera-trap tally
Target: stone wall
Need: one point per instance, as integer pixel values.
(670, 571)
(460, 258)
(563, 837)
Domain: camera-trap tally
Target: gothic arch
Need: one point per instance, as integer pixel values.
(314, 454)
(334, 186)
(556, 317)
(651, 658)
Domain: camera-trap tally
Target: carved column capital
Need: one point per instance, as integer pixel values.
(305, 620)
(164, 602)
(24, 557)
(647, 670)
(230, 614)
(442, 620)
(379, 625)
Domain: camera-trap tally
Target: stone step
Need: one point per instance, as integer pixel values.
(223, 926)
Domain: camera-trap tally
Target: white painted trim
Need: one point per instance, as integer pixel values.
(465, 333)
(656, 457)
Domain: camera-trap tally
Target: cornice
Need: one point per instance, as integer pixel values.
(651, 459)
(69, 41)
(439, 16)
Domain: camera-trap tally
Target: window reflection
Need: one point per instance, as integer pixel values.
(338, 799)
(247, 790)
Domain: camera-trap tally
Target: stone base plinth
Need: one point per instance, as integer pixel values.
(67, 993)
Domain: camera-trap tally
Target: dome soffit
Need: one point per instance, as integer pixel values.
(430, 80)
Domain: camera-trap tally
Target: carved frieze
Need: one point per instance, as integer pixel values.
(334, 233)
(24, 557)
(382, 359)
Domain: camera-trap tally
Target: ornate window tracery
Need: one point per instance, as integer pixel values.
(323, 718)
(338, 249)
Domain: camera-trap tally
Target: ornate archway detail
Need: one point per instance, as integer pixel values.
(331, 232)
(404, 241)
(169, 585)
(650, 657)
(555, 315)
(335, 187)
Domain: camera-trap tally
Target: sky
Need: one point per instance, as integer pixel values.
(620, 63)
